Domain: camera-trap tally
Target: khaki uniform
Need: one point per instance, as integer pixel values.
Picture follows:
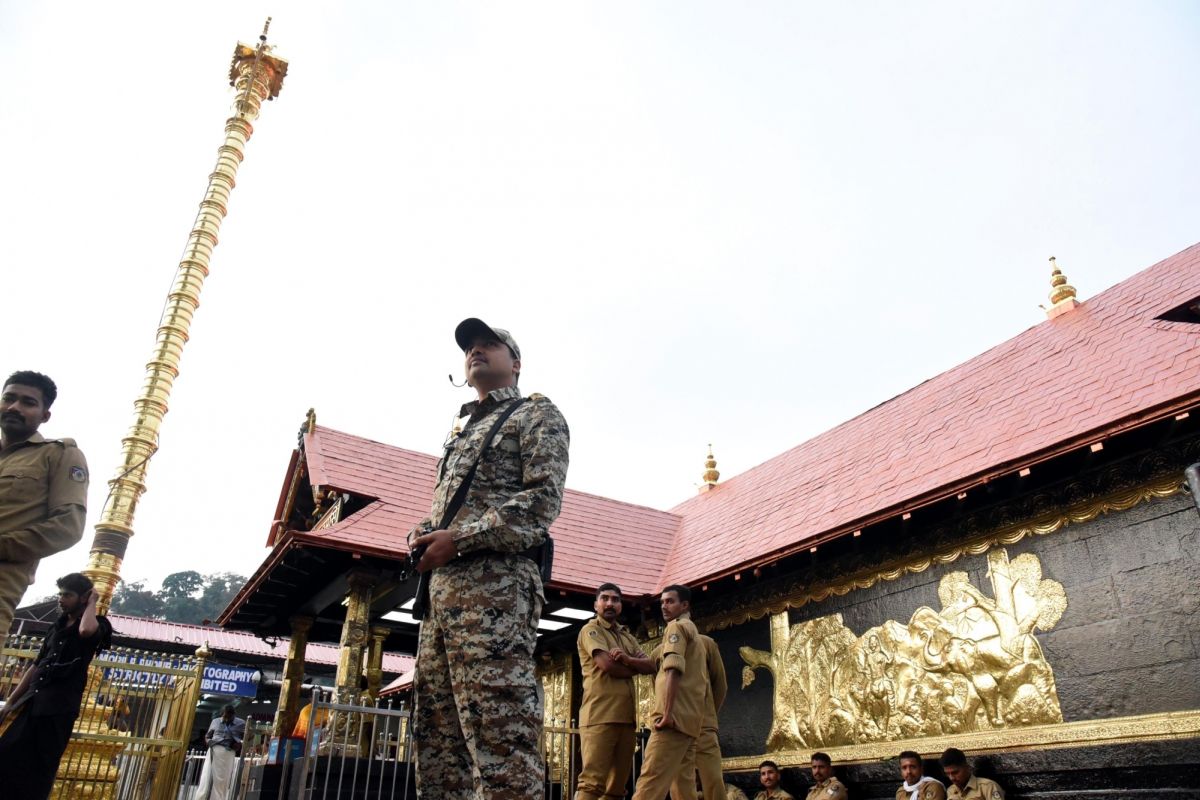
(977, 789)
(43, 503)
(478, 713)
(930, 790)
(607, 714)
(779, 794)
(708, 744)
(671, 752)
(830, 789)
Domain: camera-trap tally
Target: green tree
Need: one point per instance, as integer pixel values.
(134, 599)
(187, 597)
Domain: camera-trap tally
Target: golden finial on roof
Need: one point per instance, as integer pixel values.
(310, 420)
(1062, 294)
(711, 476)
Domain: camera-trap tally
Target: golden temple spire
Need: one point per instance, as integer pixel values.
(710, 476)
(1062, 294)
(310, 420)
(257, 76)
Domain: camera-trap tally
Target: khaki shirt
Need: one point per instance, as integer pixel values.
(681, 650)
(831, 789)
(606, 698)
(43, 499)
(977, 789)
(930, 790)
(718, 687)
(779, 794)
(518, 487)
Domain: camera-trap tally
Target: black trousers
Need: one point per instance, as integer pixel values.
(29, 754)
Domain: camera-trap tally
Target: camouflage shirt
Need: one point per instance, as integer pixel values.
(518, 487)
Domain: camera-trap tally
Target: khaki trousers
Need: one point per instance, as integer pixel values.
(607, 760)
(708, 765)
(670, 756)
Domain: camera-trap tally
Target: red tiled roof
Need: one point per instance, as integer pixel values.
(1105, 365)
(1058, 385)
(219, 639)
(403, 480)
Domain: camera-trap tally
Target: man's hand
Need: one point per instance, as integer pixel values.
(617, 655)
(440, 550)
(667, 721)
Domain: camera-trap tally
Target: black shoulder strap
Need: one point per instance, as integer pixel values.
(460, 494)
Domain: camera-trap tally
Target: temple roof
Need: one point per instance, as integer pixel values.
(218, 639)
(402, 481)
(1107, 365)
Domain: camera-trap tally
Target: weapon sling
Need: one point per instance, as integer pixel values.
(421, 601)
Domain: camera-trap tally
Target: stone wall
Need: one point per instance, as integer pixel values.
(1127, 643)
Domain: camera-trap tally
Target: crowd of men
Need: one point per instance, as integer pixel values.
(689, 689)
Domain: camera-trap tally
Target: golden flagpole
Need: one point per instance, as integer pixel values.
(257, 75)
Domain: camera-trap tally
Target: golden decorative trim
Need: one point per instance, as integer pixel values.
(1121, 730)
(1079, 513)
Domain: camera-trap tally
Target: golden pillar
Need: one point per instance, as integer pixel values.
(257, 75)
(375, 661)
(288, 710)
(354, 636)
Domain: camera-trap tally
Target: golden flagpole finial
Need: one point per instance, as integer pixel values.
(1062, 294)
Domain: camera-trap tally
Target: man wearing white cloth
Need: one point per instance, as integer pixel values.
(224, 738)
(917, 785)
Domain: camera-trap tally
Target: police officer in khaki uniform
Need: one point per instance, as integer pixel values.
(43, 488)
(917, 785)
(608, 712)
(680, 689)
(825, 785)
(768, 776)
(708, 744)
(478, 712)
(964, 784)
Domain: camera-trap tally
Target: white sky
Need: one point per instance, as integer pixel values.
(737, 223)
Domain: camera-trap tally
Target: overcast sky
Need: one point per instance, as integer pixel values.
(737, 223)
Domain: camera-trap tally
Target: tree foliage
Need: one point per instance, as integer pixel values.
(185, 596)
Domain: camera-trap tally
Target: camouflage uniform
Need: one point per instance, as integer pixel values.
(43, 502)
(478, 713)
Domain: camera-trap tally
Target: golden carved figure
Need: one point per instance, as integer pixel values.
(555, 678)
(974, 665)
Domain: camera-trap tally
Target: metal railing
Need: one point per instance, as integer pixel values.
(363, 750)
(135, 715)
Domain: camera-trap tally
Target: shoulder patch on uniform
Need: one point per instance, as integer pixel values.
(78, 474)
(673, 638)
(537, 396)
(593, 632)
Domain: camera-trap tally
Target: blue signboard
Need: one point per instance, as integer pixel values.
(230, 681)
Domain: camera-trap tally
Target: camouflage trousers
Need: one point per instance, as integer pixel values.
(478, 712)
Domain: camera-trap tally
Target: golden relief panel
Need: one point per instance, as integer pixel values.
(644, 687)
(975, 665)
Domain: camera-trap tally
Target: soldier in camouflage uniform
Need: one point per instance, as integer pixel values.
(478, 714)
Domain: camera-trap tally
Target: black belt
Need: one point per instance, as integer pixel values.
(542, 556)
